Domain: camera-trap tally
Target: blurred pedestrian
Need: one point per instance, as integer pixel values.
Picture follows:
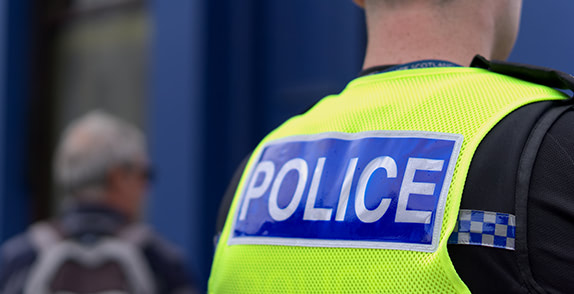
(98, 244)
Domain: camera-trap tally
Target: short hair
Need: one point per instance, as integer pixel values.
(90, 146)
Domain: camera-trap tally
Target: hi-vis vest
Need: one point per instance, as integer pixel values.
(361, 193)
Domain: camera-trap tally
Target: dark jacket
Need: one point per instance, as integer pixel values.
(88, 225)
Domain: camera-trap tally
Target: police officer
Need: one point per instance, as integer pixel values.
(423, 175)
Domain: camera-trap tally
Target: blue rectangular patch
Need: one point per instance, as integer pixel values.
(383, 189)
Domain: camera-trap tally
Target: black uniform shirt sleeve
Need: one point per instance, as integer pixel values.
(551, 209)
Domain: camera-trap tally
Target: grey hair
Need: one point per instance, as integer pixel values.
(90, 146)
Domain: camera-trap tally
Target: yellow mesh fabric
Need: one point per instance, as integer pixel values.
(463, 101)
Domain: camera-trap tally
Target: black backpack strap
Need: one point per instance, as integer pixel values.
(44, 235)
(535, 74)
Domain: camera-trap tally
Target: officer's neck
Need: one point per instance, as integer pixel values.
(410, 35)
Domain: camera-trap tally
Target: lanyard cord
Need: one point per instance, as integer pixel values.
(411, 65)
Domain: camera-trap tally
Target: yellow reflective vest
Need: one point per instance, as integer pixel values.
(466, 102)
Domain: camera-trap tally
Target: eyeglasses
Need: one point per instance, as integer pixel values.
(145, 171)
(148, 173)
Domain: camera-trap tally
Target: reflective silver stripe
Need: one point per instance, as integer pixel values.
(484, 228)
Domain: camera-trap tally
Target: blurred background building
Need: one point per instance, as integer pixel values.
(205, 79)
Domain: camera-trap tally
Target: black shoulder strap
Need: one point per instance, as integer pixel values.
(523, 178)
(535, 74)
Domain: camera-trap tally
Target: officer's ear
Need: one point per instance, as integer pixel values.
(360, 3)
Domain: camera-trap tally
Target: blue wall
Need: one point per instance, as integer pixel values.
(14, 97)
(177, 124)
(546, 35)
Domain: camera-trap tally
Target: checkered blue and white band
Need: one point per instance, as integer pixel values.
(484, 228)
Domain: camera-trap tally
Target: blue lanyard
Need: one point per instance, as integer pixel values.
(416, 65)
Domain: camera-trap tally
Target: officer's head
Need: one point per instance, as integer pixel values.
(103, 160)
(500, 16)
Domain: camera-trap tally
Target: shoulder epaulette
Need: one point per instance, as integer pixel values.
(535, 74)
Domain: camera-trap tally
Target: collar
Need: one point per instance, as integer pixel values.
(82, 219)
(428, 63)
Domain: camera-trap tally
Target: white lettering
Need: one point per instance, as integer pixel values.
(364, 214)
(346, 190)
(268, 170)
(409, 186)
(300, 166)
(312, 213)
